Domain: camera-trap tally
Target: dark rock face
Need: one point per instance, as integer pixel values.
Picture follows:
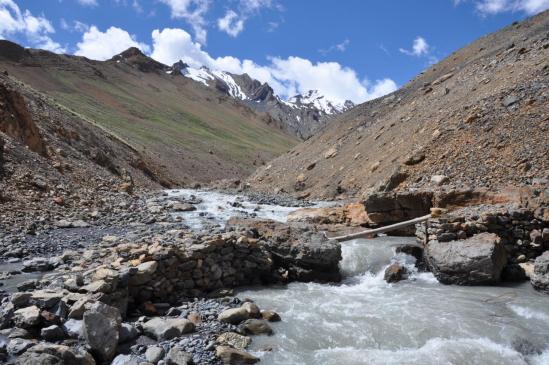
(478, 260)
(1, 156)
(540, 278)
(390, 207)
(306, 255)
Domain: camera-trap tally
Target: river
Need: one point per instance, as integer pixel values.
(365, 320)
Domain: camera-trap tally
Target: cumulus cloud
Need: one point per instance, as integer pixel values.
(530, 7)
(35, 29)
(99, 45)
(420, 47)
(193, 12)
(287, 76)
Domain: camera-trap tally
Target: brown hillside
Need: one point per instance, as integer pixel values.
(480, 118)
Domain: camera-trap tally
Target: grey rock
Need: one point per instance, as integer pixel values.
(73, 328)
(52, 333)
(270, 316)
(510, 100)
(177, 356)
(37, 264)
(234, 315)
(255, 327)
(27, 317)
(478, 260)
(154, 354)
(127, 360)
(127, 332)
(234, 340)
(540, 276)
(252, 309)
(17, 346)
(100, 329)
(233, 356)
(166, 329)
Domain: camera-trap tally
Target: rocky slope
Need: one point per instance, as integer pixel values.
(479, 118)
(301, 115)
(189, 133)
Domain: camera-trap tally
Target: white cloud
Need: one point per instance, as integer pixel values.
(36, 29)
(193, 12)
(287, 76)
(76, 26)
(341, 47)
(231, 23)
(99, 45)
(420, 47)
(530, 7)
(88, 2)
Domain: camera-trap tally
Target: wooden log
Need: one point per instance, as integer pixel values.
(370, 232)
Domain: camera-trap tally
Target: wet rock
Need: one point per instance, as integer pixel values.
(540, 275)
(252, 309)
(177, 356)
(127, 332)
(234, 340)
(478, 260)
(154, 354)
(394, 273)
(233, 356)
(101, 330)
(513, 273)
(52, 333)
(166, 329)
(255, 327)
(183, 207)
(234, 315)
(17, 346)
(270, 316)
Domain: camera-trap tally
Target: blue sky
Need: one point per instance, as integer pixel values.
(348, 49)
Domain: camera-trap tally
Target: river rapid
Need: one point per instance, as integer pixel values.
(365, 320)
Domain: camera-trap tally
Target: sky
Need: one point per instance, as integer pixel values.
(346, 49)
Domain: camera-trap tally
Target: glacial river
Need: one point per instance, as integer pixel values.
(364, 320)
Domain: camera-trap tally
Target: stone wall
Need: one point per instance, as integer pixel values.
(523, 232)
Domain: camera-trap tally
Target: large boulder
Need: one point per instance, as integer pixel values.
(478, 260)
(50, 354)
(387, 208)
(101, 330)
(166, 329)
(233, 356)
(233, 315)
(540, 276)
(306, 254)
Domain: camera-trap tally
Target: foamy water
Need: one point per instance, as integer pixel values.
(216, 208)
(364, 320)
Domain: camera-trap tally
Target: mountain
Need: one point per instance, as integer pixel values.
(301, 115)
(186, 133)
(479, 118)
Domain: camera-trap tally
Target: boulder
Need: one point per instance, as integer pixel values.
(478, 260)
(73, 328)
(101, 330)
(37, 264)
(234, 340)
(46, 353)
(154, 354)
(255, 327)
(439, 179)
(233, 356)
(17, 346)
(27, 317)
(394, 273)
(166, 329)
(392, 207)
(540, 275)
(144, 274)
(234, 315)
(177, 356)
(52, 333)
(270, 316)
(252, 309)
(127, 333)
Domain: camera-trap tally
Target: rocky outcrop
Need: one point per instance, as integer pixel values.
(17, 122)
(478, 260)
(540, 276)
(353, 214)
(387, 208)
(304, 254)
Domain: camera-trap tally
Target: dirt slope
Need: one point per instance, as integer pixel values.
(480, 118)
(191, 134)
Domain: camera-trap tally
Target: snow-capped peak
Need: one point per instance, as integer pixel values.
(319, 101)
